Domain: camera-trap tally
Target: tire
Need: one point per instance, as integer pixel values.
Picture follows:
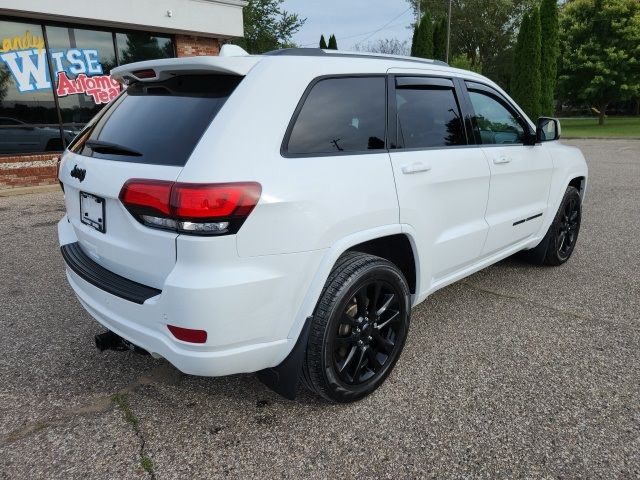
(358, 329)
(558, 244)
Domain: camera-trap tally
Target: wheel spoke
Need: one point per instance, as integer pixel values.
(348, 359)
(374, 300)
(360, 365)
(392, 319)
(373, 361)
(561, 239)
(385, 345)
(348, 320)
(348, 340)
(388, 299)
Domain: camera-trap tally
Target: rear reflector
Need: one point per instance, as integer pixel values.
(188, 334)
(201, 209)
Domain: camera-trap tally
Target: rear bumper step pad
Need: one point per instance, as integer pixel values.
(80, 263)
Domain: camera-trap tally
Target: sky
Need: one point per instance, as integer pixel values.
(352, 21)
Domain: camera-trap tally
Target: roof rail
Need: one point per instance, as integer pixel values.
(318, 52)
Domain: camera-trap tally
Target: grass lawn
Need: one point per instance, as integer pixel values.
(614, 127)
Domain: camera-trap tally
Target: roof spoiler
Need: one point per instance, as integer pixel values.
(232, 61)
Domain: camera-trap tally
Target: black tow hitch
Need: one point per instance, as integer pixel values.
(111, 341)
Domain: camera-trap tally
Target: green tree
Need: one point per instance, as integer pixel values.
(414, 39)
(141, 46)
(462, 61)
(423, 41)
(548, 55)
(600, 44)
(440, 39)
(525, 80)
(267, 26)
(500, 67)
(333, 43)
(483, 31)
(323, 42)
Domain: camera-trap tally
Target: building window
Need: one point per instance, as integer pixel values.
(28, 117)
(80, 61)
(139, 46)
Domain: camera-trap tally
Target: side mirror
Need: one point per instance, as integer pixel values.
(548, 129)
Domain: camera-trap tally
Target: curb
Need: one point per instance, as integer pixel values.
(10, 192)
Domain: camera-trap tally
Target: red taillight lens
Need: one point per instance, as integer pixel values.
(143, 74)
(188, 334)
(203, 209)
(194, 201)
(149, 197)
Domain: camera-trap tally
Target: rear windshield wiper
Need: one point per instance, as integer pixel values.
(111, 148)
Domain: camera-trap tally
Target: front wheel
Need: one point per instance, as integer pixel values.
(557, 245)
(358, 329)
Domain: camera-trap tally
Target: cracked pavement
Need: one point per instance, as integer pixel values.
(516, 371)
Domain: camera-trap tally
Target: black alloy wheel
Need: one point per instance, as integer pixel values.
(568, 228)
(358, 329)
(560, 240)
(365, 338)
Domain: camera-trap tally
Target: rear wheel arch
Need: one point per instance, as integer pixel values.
(398, 250)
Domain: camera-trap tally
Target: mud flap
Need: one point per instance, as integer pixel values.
(283, 379)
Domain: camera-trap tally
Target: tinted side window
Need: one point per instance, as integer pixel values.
(496, 123)
(429, 117)
(341, 115)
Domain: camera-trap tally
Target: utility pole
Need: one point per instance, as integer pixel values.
(448, 33)
(419, 12)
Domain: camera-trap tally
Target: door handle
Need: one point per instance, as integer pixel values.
(416, 167)
(501, 159)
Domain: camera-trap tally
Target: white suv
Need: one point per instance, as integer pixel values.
(283, 213)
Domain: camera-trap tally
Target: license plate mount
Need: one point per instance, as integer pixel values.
(92, 211)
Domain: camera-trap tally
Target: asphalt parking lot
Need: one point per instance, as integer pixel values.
(517, 371)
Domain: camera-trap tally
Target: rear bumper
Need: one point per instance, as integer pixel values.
(88, 270)
(247, 306)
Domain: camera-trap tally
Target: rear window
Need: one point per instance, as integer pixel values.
(341, 115)
(157, 123)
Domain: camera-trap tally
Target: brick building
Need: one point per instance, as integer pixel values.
(55, 59)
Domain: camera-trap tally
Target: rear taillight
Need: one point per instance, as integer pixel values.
(200, 209)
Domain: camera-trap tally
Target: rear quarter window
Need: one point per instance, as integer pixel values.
(156, 122)
(340, 115)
